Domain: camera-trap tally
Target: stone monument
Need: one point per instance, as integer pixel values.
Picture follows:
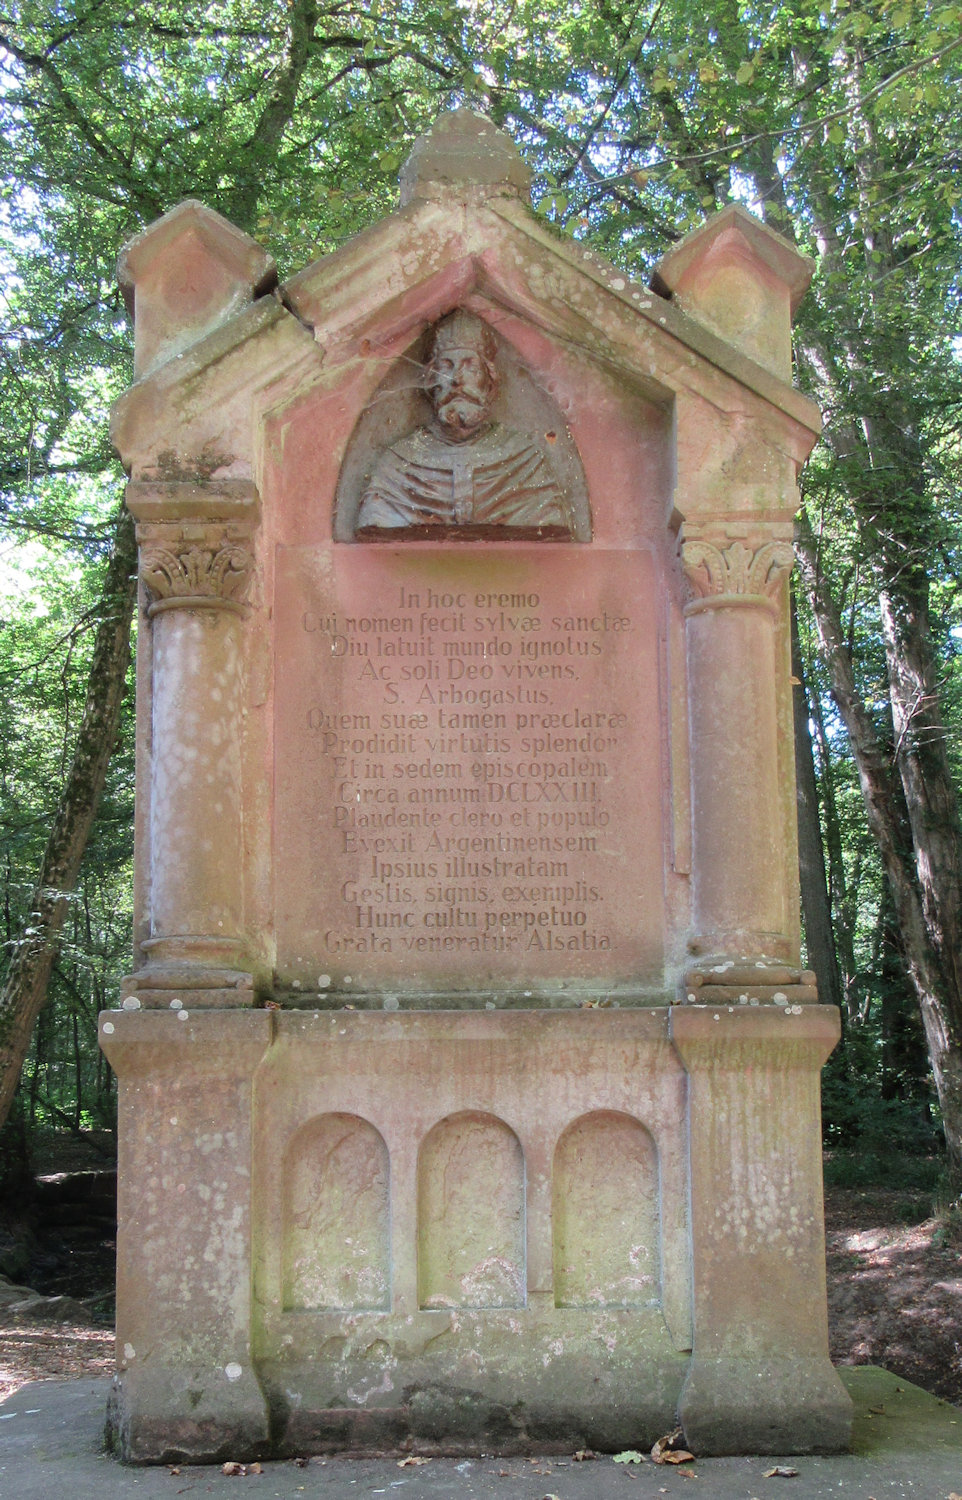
(468, 1074)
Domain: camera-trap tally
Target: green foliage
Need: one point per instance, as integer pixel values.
(906, 1172)
(948, 1211)
(839, 123)
(50, 587)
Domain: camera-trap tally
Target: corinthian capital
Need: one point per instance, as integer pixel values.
(718, 568)
(196, 575)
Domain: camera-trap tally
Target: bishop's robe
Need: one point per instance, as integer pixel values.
(498, 478)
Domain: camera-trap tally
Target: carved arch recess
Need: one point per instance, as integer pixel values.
(336, 1217)
(606, 1214)
(471, 1214)
(399, 406)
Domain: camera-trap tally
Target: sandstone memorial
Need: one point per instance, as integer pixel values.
(469, 1077)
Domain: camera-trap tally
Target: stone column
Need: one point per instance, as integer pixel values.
(760, 1379)
(186, 1386)
(740, 886)
(196, 570)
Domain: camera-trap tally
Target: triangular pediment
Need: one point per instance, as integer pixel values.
(411, 268)
(459, 243)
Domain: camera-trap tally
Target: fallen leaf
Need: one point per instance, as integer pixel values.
(780, 1472)
(412, 1460)
(583, 1455)
(877, 1410)
(300, 1463)
(171, 1470)
(551, 1497)
(254, 1468)
(234, 1471)
(669, 1450)
(628, 1457)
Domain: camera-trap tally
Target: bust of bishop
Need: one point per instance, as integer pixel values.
(462, 474)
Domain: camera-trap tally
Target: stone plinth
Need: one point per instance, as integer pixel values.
(186, 1382)
(468, 1066)
(760, 1379)
(466, 1214)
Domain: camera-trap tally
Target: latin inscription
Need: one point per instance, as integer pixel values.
(468, 771)
(470, 808)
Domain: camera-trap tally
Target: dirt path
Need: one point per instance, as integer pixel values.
(64, 1351)
(894, 1291)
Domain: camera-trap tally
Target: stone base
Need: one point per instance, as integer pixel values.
(731, 1406)
(172, 1414)
(466, 1232)
(533, 1380)
(726, 981)
(176, 987)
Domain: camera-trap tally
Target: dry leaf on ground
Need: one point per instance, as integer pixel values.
(583, 1455)
(780, 1472)
(670, 1450)
(411, 1460)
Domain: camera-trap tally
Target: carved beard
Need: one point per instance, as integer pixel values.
(462, 411)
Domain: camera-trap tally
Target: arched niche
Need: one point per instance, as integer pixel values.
(336, 1197)
(471, 1218)
(399, 407)
(606, 1214)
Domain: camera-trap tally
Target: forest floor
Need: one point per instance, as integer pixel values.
(894, 1287)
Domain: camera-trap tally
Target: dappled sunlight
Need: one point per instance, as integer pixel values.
(52, 1352)
(895, 1294)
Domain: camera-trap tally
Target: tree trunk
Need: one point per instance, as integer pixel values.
(25, 989)
(933, 815)
(914, 816)
(842, 887)
(890, 823)
(816, 907)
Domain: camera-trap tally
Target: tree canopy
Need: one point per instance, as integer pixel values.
(838, 122)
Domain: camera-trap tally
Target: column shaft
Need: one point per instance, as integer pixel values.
(196, 566)
(738, 873)
(196, 892)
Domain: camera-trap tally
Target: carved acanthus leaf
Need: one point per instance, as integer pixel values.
(197, 572)
(736, 569)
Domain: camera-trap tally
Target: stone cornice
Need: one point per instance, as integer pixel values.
(154, 501)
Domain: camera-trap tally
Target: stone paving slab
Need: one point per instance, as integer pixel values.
(907, 1444)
